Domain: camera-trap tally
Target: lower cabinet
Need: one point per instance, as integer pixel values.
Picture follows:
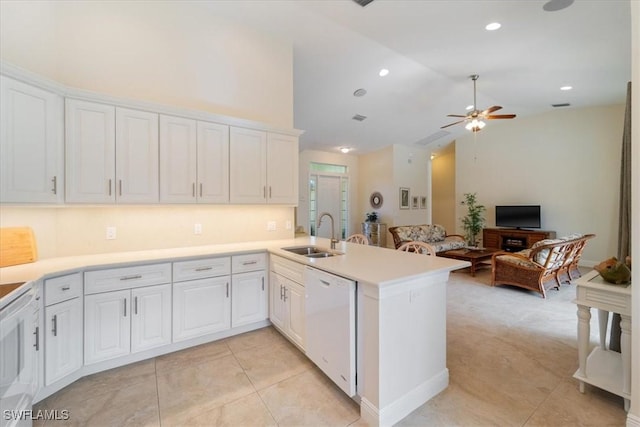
(62, 327)
(287, 311)
(201, 307)
(127, 321)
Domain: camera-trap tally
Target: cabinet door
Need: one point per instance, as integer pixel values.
(90, 150)
(294, 298)
(248, 166)
(31, 143)
(107, 328)
(282, 169)
(248, 298)
(177, 160)
(150, 317)
(277, 307)
(136, 156)
(63, 339)
(201, 307)
(213, 163)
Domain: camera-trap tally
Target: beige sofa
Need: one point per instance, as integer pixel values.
(433, 234)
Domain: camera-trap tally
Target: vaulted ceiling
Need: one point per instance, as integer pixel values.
(430, 48)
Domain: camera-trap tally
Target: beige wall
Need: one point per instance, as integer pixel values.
(172, 53)
(443, 188)
(567, 161)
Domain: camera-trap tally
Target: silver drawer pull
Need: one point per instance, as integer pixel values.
(37, 338)
(65, 288)
(250, 262)
(137, 276)
(54, 325)
(54, 180)
(204, 268)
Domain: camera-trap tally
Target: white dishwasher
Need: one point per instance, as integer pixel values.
(331, 326)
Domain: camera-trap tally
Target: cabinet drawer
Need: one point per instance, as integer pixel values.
(126, 278)
(201, 268)
(248, 262)
(62, 288)
(289, 269)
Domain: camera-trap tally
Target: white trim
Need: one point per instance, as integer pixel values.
(632, 420)
(31, 78)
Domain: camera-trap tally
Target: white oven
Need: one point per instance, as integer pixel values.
(18, 346)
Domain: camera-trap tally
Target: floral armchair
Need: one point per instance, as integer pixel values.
(433, 234)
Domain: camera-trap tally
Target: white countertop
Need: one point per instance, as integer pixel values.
(370, 264)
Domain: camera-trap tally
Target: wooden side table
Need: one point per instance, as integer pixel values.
(605, 369)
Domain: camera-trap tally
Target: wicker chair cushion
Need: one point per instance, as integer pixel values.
(429, 233)
(542, 256)
(519, 261)
(448, 244)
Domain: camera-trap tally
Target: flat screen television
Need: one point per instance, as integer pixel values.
(522, 216)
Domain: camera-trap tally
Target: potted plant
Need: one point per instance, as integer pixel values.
(473, 222)
(371, 217)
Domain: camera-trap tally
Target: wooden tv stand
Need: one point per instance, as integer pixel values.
(513, 239)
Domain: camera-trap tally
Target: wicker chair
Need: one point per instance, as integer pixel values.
(551, 261)
(358, 238)
(419, 248)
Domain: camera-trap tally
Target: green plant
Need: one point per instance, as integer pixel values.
(473, 222)
(371, 216)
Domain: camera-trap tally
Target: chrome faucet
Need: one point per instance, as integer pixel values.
(333, 236)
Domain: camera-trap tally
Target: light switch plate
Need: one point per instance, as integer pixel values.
(111, 233)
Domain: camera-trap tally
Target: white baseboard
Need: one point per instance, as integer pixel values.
(633, 420)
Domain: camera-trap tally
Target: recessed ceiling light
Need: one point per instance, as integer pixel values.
(360, 92)
(566, 88)
(383, 72)
(555, 5)
(345, 150)
(493, 26)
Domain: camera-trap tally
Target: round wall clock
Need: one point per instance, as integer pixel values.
(376, 200)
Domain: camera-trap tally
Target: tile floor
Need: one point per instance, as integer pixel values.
(511, 356)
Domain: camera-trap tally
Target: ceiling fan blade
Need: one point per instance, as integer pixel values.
(500, 116)
(455, 115)
(451, 124)
(491, 110)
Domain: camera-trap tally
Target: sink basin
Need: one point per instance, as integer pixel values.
(312, 251)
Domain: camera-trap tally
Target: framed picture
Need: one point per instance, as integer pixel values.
(423, 202)
(404, 198)
(414, 202)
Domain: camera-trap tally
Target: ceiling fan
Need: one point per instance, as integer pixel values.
(475, 118)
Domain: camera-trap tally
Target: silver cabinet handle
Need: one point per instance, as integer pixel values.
(135, 306)
(250, 262)
(37, 334)
(263, 283)
(285, 294)
(109, 186)
(54, 190)
(193, 189)
(54, 322)
(119, 187)
(125, 307)
(227, 289)
(269, 191)
(200, 189)
(65, 288)
(137, 276)
(204, 268)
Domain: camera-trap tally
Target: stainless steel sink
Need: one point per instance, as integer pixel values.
(312, 251)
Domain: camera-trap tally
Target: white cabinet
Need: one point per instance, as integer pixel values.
(63, 327)
(127, 310)
(31, 143)
(249, 290)
(201, 297)
(111, 154)
(287, 298)
(194, 161)
(90, 152)
(263, 167)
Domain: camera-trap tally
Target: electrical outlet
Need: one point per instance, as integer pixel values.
(271, 226)
(288, 225)
(111, 233)
(197, 229)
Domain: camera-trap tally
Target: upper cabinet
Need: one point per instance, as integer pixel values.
(31, 144)
(263, 167)
(111, 154)
(194, 161)
(94, 149)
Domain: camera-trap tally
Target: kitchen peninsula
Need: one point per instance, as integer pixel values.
(401, 309)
